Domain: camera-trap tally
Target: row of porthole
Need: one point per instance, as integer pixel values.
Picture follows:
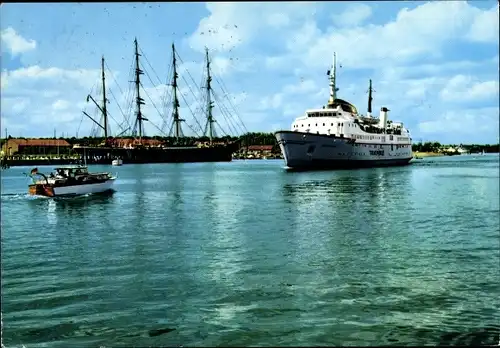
(309, 125)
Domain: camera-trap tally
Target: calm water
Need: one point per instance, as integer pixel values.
(245, 253)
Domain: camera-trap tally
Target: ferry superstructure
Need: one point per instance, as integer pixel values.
(337, 136)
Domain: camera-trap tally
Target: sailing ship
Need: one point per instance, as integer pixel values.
(141, 150)
(68, 181)
(337, 136)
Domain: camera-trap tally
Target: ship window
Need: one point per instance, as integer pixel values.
(308, 125)
(316, 125)
(323, 124)
(332, 124)
(338, 124)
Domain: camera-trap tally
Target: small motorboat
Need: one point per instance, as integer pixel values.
(71, 180)
(117, 162)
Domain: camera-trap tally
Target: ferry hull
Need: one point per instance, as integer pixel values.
(316, 151)
(51, 191)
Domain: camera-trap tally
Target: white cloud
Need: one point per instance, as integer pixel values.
(302, 87)
(470, 121)
(34, 96)
(304, 36)
(221, 65)
(15, 43)
(16, 105)
(231, 25)
(485, 27)
(437, 69)
(415, 33)
(353, 16)
(222, 30)
(32, 75)
(271, 102)
(60, 104)
(463, 88)
(278, 20)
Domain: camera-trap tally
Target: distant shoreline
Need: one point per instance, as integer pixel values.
(427, 154)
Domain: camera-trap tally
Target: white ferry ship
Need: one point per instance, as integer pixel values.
(337, 136)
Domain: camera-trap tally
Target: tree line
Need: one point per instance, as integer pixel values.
(473, 148)
(258, 138)
(254, 138)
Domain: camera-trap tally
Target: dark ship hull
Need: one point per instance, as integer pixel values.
(173, 154)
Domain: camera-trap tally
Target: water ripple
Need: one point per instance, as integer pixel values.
(247, 254)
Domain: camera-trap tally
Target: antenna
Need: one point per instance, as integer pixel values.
(333, 85)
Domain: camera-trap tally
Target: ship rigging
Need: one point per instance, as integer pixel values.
(200, 105)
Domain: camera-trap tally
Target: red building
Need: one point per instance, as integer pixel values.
(22, 146)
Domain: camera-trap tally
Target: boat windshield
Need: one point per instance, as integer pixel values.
(71, 172)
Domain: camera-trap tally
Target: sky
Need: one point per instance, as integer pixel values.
(434, 64)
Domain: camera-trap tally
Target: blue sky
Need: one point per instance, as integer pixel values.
(434, 65)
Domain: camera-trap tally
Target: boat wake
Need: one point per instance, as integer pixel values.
(25, 196)
(18, 196)
(107, 193)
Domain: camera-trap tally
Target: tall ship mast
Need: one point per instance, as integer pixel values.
(176, 125)
(337, 136)
(102, 108)
(209, 127)
(138, 100)
(203, 145)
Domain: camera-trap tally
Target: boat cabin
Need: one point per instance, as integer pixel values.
(70, 172)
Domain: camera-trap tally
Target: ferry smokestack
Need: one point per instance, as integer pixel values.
(383, 117)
